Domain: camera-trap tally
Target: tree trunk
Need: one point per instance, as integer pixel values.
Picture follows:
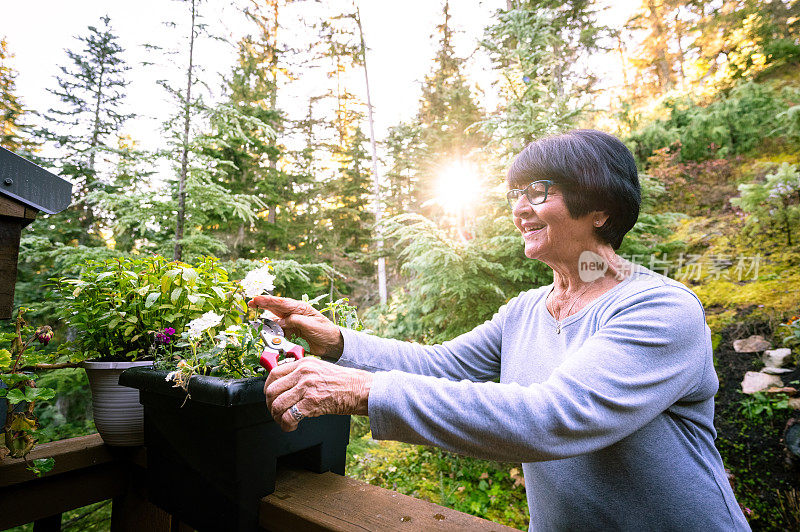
(273, 100)
(178, 251)
(663, 70)
(88, 213)
(376, 186)
(678, 38)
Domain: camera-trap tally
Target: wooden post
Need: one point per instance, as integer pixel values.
(14, 216)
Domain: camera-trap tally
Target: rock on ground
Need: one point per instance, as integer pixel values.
(776, 358)
(754, 344)
(755, 381)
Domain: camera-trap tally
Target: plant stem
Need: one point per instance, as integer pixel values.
(60, 365)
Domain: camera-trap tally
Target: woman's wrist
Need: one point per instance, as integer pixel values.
(336, 348)
(361, 389)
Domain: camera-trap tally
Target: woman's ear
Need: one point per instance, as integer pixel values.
(599, 218)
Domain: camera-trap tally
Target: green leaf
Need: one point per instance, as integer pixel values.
(33, 394)
(104, 275)
(151, 299)
(219, 291)
(5, 359)
(30, 394)
(15, 396)
(189, 275)
(11, 379)
(175, 295)
(129, 330)
(166, 280)
(41, 466)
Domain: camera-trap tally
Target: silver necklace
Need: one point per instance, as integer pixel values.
(559, 319)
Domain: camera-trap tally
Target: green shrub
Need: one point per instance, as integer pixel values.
(734, 123)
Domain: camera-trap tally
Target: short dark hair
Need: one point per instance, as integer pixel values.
(595, 171)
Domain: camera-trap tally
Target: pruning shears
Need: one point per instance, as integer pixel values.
(275, 345)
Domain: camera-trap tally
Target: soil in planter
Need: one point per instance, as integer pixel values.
(752, 449)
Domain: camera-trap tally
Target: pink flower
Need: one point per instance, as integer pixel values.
(44, 334)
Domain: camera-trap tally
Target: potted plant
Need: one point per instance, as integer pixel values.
(212, 446)
(122, 311)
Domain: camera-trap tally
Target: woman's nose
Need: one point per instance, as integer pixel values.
(522, 206)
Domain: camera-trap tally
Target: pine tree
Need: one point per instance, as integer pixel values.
(258, 163)
(445, 130)
(250, 155)
(447, 108)
(537, 47)
(11, 111)
(351, 217)
(342, 209)
(91, 89)
(187, 105)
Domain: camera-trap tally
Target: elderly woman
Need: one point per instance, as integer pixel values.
(602, 384)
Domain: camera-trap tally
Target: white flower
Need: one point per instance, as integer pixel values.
(206, 321)
(181, 376)
(257, 282)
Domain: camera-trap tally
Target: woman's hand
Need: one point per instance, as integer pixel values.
(301, 319)
(316, 388)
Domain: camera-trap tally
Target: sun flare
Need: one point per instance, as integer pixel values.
(458, 187)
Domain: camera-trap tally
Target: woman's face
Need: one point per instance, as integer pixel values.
(551, 235)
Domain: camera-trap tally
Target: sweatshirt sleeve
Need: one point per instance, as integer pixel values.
(648, 355)
(473, 356)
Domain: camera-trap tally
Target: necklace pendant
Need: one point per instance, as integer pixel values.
(558, 327)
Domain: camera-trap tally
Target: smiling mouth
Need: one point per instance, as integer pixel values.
(529, 230)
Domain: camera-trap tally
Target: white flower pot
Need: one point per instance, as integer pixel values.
(118, 415)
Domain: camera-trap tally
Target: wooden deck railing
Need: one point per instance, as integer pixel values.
(88, 471)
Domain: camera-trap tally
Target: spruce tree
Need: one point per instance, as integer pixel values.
(11, 111)
(257, 163)
(343, 205)
(91, 91)
(445, 129)
(447, 108)
(537, 47)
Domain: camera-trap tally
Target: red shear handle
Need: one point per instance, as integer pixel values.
(297, 352)
(269, 358)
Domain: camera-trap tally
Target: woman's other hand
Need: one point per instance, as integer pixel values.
(301, 319)
(316, 388)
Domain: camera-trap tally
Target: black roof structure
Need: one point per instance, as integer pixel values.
(31, 184)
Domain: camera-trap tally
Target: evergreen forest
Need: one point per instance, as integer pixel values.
(278, 157)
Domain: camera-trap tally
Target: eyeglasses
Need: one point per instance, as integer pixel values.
(535, 193)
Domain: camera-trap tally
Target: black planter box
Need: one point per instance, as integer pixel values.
(211, 458)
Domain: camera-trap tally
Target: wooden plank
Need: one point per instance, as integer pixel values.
(86, 471)
(10, 229)
(11, 207)
(71, 454)
(132, 512)
(313, 502)
(48, 524)
(28, 501)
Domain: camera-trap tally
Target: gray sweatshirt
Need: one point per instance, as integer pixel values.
(612, 417)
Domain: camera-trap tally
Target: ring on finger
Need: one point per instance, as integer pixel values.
(296, 414)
